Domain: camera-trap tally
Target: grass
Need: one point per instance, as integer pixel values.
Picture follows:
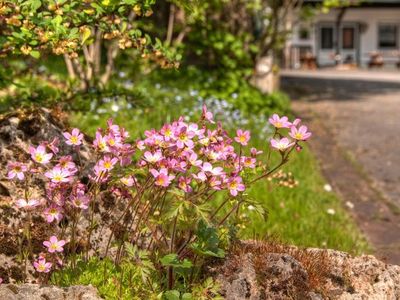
(295, 215)
(300, 215)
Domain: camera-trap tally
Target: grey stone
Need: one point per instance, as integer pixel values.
(38, 292)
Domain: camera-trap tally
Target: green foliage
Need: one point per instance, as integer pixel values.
(207, 242)
(64, 27)
(134, 279)
(172, 260)
(113, 282)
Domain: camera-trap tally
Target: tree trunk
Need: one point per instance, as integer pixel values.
(264, 78)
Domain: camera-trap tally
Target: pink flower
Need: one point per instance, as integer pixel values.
(162, 177)
(42, 266)
(58, 175)
(53, 213)
(300, 134)
(113, 141)
(206, 115)
(100, 143)
(66, 163)
(193, 160)
(128, 181)
(53, 145)
(27, 204)
(235, 185)
(16, 169)
(107, 163)
(74, 138)
(279, 122)
(254, 152)
(54, 245)
(184, 137)
(200, 176)
(152, 158)
(39, 154)
(281, 144)
(242, 137)
(248, 162)
(80, 201)
(208, 168)
(215, 183)
(296, 122)
(184, 184)
(167, 132)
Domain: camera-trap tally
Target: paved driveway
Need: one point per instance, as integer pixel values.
(361, 112)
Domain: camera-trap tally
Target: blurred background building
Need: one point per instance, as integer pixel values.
(364, 35)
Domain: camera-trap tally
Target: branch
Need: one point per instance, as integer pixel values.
(70, 67)
(97, 51)
(181, 36)
(82, 76)
(112, 53)
(171, 20)
(89, 62)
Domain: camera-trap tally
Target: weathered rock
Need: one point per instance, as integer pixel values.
(38, 292)
(258, 271)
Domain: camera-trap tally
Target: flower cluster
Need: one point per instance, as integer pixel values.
(297, 133)
(181, 163)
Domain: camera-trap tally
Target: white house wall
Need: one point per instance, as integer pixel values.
(368, 39)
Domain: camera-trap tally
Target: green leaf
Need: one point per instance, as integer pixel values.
(130, 2)
(207, 241)
(172, 260)
(171, 295)
(35, 54)
(187, 296)
(85, 35)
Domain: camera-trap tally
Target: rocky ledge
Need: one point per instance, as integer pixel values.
(37, 292)
(261, 270)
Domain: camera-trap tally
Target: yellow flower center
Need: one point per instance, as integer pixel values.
(107, 165)
(182, 137)
(233, 185)
(38, 157)
(160, 181)
(57, 177)
(74, 139)
(41, 267)
(298, 135)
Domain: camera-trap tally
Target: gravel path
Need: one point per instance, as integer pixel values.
(359, 117)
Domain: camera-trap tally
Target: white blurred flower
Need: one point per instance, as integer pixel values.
(328, 187)
(349, 204)
(115, 107)
(251, 207)
(330, 211)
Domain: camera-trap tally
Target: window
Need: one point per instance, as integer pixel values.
(326, 37)
(387, 35)
(348, 38)
(304, 34)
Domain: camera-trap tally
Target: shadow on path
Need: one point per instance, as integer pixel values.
(315, 89)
